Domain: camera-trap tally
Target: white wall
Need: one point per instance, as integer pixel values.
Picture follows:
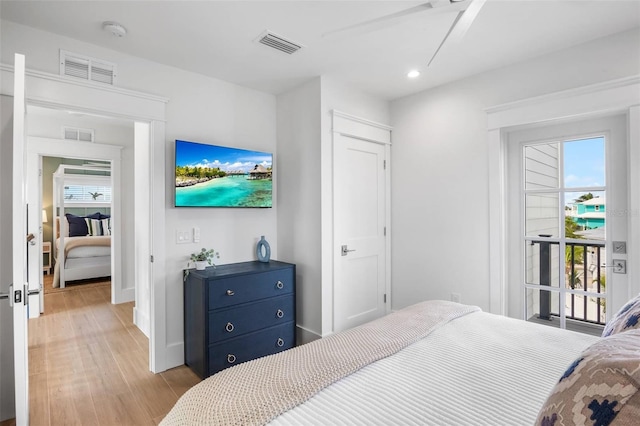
(440, 169)
(7, 394)
(305, 217)
(299, 230)
(200, 109)
(141, 231)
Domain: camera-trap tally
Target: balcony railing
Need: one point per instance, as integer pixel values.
(584, 270)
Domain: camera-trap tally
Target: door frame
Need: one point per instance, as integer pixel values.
(38, 147)
(613, 129)
(616, 97)
(57, 92)
(344, 124)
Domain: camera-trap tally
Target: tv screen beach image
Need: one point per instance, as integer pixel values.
(216, 176)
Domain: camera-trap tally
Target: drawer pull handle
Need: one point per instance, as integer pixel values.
(279, 314)
(231, 358)
(280, 342)
(279, 285)
(229, 327)
(230, 293)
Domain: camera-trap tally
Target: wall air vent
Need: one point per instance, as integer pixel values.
(86, 68)
(278, 42)
(77, 134)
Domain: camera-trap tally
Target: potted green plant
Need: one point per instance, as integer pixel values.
(203, 258)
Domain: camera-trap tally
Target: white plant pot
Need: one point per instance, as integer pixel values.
(201, 265)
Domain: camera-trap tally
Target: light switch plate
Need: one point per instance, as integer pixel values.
(619, 266)
(183, 236)
(620, 247)
(196, 234)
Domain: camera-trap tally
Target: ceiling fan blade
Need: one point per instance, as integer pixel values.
(469, 15)
(378, 23)
(446, 36)
(460, 25)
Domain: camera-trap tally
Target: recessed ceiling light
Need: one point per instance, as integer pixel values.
(114, 28)
(413, 73)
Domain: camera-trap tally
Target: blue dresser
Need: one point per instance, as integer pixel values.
(238, 312)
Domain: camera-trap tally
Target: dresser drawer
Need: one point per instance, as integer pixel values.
(241, 319)
(245, 288)
(250, 346)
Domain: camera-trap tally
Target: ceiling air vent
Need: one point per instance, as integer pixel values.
(278, 42)
(77, 134)
(86, 68)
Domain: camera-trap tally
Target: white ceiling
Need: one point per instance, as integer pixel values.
(217, 38)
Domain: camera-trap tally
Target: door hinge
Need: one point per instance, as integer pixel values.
(384, 164)
(151, 258)
(385, 298)
(385, 231)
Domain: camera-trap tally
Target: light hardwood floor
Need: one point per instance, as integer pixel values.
(88, 364)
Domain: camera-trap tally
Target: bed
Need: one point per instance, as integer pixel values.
(82, 247)
(83, 257)
(434, 363)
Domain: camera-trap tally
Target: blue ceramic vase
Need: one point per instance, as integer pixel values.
(263, 250)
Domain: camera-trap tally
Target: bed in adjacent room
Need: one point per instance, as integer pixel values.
(433, 363)
(82, 198)
(84, 257)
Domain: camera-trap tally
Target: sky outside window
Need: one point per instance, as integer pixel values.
(583, 164)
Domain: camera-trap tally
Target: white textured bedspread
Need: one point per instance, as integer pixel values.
(255, 392)
(480, 369)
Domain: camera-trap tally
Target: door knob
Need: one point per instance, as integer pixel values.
(345, 250)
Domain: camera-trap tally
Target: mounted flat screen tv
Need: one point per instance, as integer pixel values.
(217, 176)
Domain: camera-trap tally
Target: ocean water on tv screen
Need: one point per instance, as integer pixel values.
(228, 191)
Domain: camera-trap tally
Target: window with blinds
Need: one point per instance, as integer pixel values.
(87, 194)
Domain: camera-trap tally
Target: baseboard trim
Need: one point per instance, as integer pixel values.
(175, 355)
(141, 321)
(126, 295)
(304, 335)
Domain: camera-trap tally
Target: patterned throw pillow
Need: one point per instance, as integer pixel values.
(600, 388)
(94, 226)
(627, 318)
(106, 226)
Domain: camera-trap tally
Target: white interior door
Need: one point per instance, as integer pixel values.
(359, 222)
(20, 247)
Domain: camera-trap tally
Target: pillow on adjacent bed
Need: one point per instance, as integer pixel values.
(106, 225)
(77, 226)
(627, 318)
(600, 388)
(94, 226)
(98, 227)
